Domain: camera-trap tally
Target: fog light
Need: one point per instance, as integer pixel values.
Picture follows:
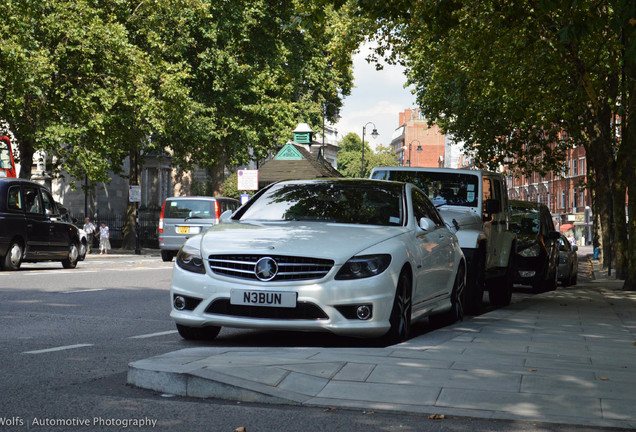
(179, 302)
(363, 312)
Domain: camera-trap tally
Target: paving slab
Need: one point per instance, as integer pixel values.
(567, 356)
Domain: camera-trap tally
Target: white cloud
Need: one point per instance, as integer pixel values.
(378, 97)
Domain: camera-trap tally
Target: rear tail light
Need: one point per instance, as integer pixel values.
(163, 208)
(216, 212)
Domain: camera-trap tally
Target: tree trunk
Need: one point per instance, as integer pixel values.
(25, 147)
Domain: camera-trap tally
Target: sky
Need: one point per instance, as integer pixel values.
(378, 97)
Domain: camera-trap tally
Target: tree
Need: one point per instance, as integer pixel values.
(350, 156)
(510, 78)
(94, 82)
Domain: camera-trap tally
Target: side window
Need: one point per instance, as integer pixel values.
(422, 207)
(14, 199)
(32, 200)
(492, 190)
(49, 204)
(419, 209)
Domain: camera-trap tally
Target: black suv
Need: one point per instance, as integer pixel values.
(31, 227)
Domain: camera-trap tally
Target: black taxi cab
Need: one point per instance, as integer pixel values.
(31, 227)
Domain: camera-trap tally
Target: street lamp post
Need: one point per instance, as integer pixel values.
(419, 148)
(374, 134)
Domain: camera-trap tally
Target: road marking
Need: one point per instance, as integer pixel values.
(83, 291)
(62, 348)
(153, 335)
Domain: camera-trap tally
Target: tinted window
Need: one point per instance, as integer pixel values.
(341, 202)
(422, 207)
(525, 220)
(14, 199)
(49, 204)
(440, 187)
(32, 199)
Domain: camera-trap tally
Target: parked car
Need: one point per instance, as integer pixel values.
(31, 227)
(354, 257)
(184, 217)
(66, 217)
(537, 253)
(568, 262)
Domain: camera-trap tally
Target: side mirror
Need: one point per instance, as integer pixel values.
(575, 248)
(553, 235)
(493, 206)
(426, 224)
(225, 216)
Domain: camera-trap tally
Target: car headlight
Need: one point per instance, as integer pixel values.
(532, 251)
(189, 258)
(364, 266)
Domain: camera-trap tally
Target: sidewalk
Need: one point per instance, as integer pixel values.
(567, 356)
(119, 252)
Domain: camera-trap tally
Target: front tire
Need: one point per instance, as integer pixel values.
(13, 259)
(73, 255)
(400, 318)
(198, 333)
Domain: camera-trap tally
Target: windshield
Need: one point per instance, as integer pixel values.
(350, 202)
(458, 189)
(525, 223)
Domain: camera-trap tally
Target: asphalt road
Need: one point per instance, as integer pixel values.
(67, 337)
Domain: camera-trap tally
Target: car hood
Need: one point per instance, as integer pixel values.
(465, 219)
(316, 239)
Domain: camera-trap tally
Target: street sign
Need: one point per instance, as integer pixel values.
(134, 193)
(247, 180)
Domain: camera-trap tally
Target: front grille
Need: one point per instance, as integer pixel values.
(289, 268)
(302, 311)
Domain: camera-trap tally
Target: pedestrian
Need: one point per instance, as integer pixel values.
(89, 229)
(104, 239)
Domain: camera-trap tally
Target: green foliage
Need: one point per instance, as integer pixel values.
(350, 156)
(91, 81)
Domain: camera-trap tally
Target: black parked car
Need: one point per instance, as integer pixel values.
(31, 227)
(537, 255)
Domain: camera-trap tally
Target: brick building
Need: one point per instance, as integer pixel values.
(417, 143)
(565, 193)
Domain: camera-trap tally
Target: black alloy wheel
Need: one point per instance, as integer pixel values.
(400, 319)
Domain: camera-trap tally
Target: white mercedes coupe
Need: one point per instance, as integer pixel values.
(354, 257)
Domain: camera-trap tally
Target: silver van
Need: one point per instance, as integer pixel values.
(183, 217)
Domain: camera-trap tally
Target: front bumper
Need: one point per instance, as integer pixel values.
(319, 303)
(530, 270)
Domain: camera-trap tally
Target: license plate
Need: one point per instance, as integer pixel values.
(188, 230)
(263, 298)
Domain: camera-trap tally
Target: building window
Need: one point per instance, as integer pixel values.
(563, 199)
(582, 166)
(575, 196)
(575, 167)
